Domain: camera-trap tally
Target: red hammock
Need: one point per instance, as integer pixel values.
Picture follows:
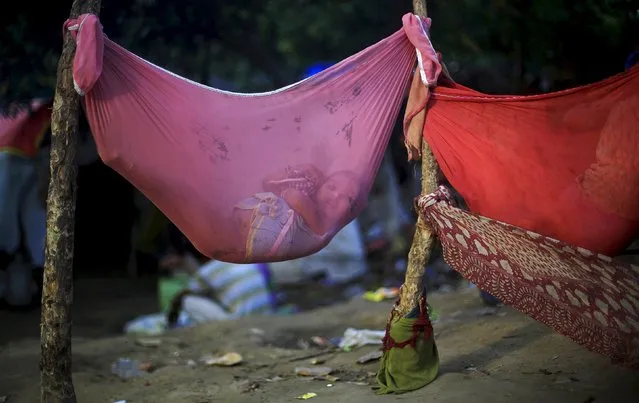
(561, 166)
(565, 164)
(23, 133)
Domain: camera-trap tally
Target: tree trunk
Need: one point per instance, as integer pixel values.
(424, 238)
(57, 296)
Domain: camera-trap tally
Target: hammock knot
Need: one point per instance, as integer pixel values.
(89, 53)
(442, 194)
(416, 29)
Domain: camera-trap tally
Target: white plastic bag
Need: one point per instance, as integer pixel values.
(360, 337)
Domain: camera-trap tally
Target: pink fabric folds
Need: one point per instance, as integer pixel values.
(249, 177)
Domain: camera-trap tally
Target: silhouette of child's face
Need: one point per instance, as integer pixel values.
(337, 195)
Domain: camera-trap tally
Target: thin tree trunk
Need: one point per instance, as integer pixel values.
(424, 238)
(57, 297)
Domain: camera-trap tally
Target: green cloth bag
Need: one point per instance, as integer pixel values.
(407, 368)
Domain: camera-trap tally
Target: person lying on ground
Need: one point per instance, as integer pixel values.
(216, 291)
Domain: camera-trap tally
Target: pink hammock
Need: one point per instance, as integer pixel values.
(249, 177)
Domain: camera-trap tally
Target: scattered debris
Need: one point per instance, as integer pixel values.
(317, 361)
(336, 341)
(146, 366)
(372, 356)
(303, 344)
(360, 337)
(321, 341)
(256, 331)
(279, 353)
(307, 396)
(329, 378)
(274, 379)
(487, 311)
(313, 371)
(314, 355)
(148, 342)
(545, 371)
(227, 360)
(381, 294)
(127, 368)
(245, 385)
(565, 379)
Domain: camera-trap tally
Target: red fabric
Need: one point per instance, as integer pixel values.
(247, 177)
(22, 134)
(565, 164)
(588, 297)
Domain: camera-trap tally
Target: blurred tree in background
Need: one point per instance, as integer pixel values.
(534, 45)
(521, 46)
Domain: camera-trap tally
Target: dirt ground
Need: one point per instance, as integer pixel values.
(487, 356)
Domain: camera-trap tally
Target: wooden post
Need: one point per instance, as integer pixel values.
(424, 238)
(57, 296)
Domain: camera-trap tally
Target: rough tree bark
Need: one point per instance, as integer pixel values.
(424, 238)
(57, 296)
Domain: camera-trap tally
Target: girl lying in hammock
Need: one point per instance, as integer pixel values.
(298, 208)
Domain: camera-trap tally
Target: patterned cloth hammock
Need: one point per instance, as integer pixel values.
(586, 296)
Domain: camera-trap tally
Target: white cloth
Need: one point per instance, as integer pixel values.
(242, 288)
(203, 310)
(343, 259)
